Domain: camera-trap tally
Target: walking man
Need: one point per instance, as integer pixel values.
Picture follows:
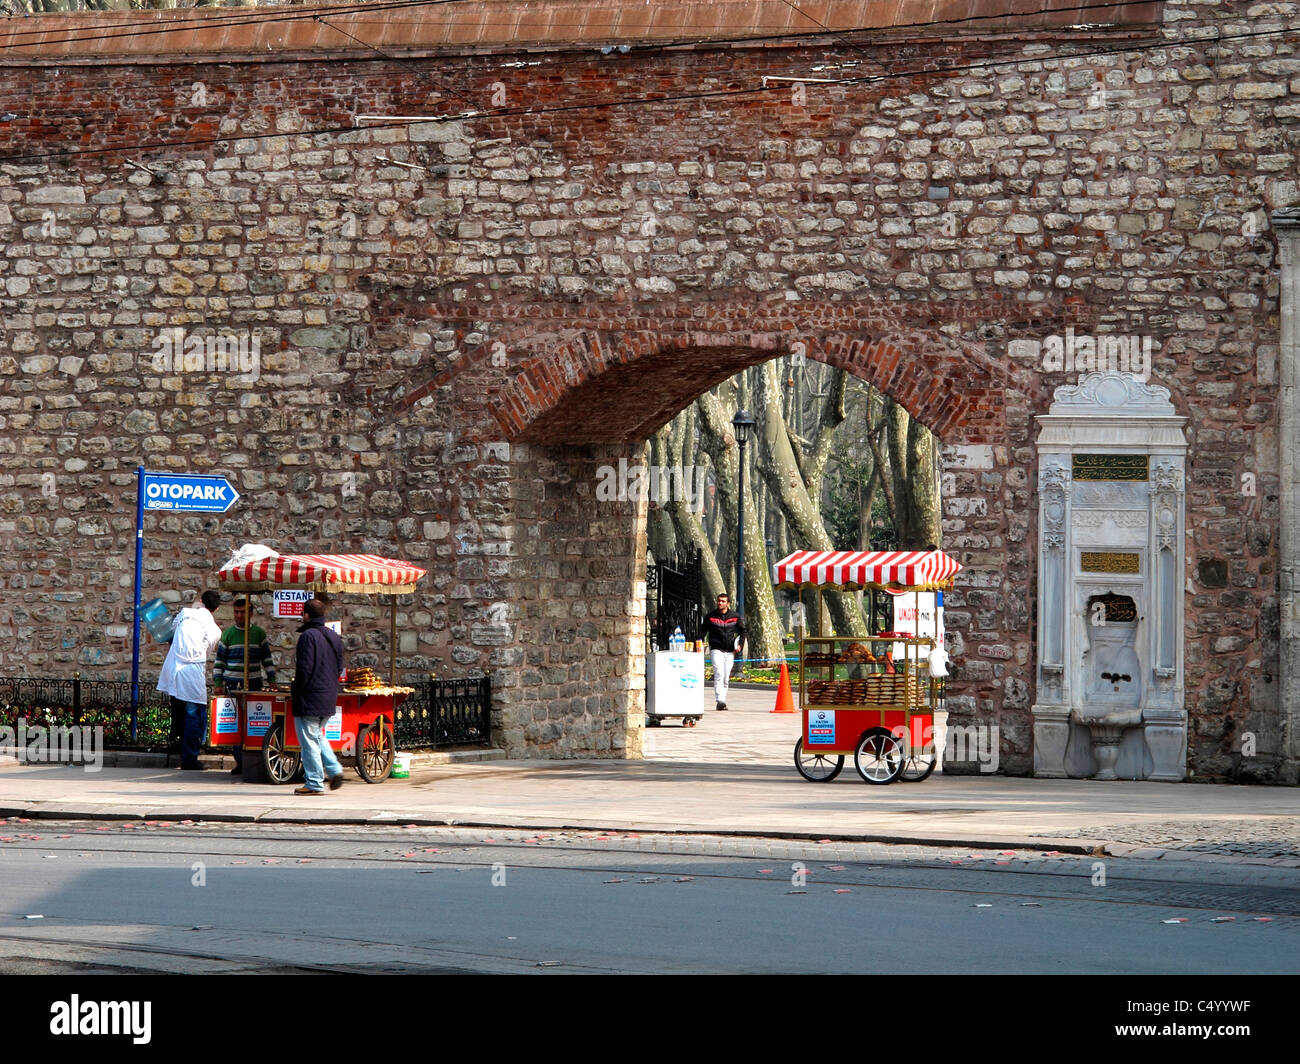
(726, 631)
(315, 694)
(241, 639)
(185, 672)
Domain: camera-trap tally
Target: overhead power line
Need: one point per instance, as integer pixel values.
(260, 16)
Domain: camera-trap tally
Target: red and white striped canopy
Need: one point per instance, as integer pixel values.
(364, 573)
(911, 570)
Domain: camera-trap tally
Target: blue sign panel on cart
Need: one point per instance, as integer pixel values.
(226, 712)
(259, 717)
(183, 491)
(821, 727)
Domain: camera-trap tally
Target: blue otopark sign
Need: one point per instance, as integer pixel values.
(183, 491)
(172, 492)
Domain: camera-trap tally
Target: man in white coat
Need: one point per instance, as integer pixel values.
(185, 672)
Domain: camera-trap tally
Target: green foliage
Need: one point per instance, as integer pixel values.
(848, 480)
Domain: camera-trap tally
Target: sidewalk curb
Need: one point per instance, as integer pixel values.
(216, 762)
(276, 815)
(279, 814)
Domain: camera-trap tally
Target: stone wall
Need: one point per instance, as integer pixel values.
(456, 323)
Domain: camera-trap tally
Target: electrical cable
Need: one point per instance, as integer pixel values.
(365, 44)
(223, 16)
(270, 15)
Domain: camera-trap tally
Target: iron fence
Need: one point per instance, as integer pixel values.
(673, 599)
(92, 703)
(445, 713)
(440, 713)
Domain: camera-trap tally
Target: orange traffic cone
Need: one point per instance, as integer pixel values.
(784, 696)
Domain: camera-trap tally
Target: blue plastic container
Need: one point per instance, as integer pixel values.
(158, 620)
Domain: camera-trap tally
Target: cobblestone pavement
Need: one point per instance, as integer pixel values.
(748, 733)
(1264, 838)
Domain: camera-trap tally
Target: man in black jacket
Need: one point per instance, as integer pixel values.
(315, 694)
(726, 631)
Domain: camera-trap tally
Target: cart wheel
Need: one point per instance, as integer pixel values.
(816, 768)
(281, 764)
(688, 722)
(652, 722)
(919, 766)
(879, 756)
(376, 752)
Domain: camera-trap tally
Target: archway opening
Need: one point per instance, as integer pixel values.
(581, 412)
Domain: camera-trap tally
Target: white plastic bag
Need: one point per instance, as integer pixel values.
(250, 552)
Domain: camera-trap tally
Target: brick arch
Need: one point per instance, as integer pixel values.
(579, 395)
(599, 386)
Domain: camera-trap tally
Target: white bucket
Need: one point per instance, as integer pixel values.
(401, 766)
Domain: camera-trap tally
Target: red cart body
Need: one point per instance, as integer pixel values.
(362, 726)
(854, 696)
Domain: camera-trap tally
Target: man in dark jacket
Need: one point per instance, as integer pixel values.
(726, 631)
(315, 694)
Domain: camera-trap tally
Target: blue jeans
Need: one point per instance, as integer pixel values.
(196, 730)
(315, 750)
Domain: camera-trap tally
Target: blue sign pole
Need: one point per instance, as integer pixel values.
(139, 566)
(168, 491)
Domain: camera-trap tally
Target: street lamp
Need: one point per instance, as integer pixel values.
(742, 423)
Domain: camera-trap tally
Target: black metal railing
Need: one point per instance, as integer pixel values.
(92, 703)
(673, 598)
(440, 713)
(445, 713)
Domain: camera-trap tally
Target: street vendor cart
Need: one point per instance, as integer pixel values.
(875, 696)
(362, 725)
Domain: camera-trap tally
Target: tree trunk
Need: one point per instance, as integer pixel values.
(685, 519)
(716, 437)
(781, 473)
(884, 467)
(914, 480)
(829, 418)
(923, 487)
(867, 506)
(896, 428)
(661, 537)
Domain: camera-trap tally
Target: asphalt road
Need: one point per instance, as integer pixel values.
(274, 898)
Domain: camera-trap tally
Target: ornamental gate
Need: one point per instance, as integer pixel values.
(673, 586)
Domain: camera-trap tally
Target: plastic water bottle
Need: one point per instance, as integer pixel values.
(158, 620)
(678, 641)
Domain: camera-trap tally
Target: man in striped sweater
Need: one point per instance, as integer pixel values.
(228, 673)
